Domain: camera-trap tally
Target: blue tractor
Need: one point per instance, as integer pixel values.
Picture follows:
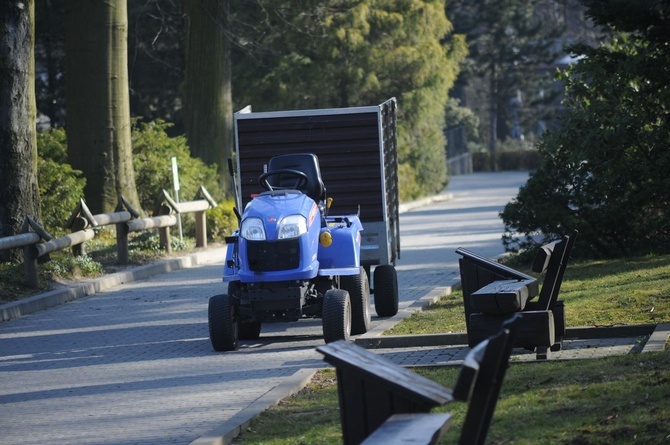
(291, 259)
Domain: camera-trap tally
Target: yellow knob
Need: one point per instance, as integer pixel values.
(326, 239)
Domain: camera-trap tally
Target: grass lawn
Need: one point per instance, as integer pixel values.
(596, 293)
(621, 399)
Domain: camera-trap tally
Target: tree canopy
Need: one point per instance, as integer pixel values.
(605, 169)
(316, 54)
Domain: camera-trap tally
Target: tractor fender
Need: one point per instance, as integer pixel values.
(344, 249)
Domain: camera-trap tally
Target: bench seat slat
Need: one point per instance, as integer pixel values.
(502, 297)
(402, 429)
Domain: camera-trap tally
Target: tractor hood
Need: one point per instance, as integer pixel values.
(281, 212)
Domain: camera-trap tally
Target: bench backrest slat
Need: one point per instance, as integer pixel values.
(558, 262)
(503, 271)
(481, 378)
(371, 388)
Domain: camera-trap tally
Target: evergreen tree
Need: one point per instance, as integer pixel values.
(315, 54)
(604, 170)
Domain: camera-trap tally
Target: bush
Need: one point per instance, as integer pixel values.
(507, 160)
(408, 188)
(604, 171)
(153, 150)
(73, 267)
(60, 186)
(221, 220)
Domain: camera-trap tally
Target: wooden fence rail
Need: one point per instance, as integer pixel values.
(37, 242)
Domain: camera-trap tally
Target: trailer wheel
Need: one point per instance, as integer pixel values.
(250, 330)
(336, 315)
(386, 290)
(223, 323)
(358, 287)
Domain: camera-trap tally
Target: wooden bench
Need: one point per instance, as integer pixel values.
(493, 292)
(383, 403)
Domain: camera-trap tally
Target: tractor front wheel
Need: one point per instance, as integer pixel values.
(224, 325)
(250, 330)
(358, 287)
(386, 290)
(336, 315)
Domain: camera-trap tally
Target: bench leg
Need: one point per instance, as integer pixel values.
(542, 353)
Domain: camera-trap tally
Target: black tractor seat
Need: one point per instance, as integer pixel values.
(306, 163)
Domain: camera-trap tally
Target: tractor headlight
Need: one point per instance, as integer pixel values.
(252, 229)
(291, 226)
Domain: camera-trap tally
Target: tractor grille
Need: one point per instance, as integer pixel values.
(267, 256)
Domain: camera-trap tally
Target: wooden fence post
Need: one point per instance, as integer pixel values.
(30, 267)
(79, 223)
(122, 242)
(200, 229)
(164, 232)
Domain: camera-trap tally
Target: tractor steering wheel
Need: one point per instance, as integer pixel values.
(301, 179)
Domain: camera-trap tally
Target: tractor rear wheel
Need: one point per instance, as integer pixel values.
(386, 290)
(336, 315)
(223, 321)
(358, 287)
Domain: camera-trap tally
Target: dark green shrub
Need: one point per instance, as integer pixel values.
(604, 171)
(153, 150)
(221, 220)
(72, 267)
(518, 160)
(61, 187)
(507, 160)
(408, 188)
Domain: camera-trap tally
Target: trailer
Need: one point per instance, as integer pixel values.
(358, 152)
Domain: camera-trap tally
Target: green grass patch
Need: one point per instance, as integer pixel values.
(624, 291)
(621, 399)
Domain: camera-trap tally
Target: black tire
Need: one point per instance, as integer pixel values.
(223, 323)
(250, 330)
(358, 287)
(386, 290)
(234, 287)
(336, 315)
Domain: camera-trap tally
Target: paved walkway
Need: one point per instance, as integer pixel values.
(132, 364)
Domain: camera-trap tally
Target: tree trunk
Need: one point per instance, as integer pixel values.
(19, 194)
(208, 112)
(98, 104)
